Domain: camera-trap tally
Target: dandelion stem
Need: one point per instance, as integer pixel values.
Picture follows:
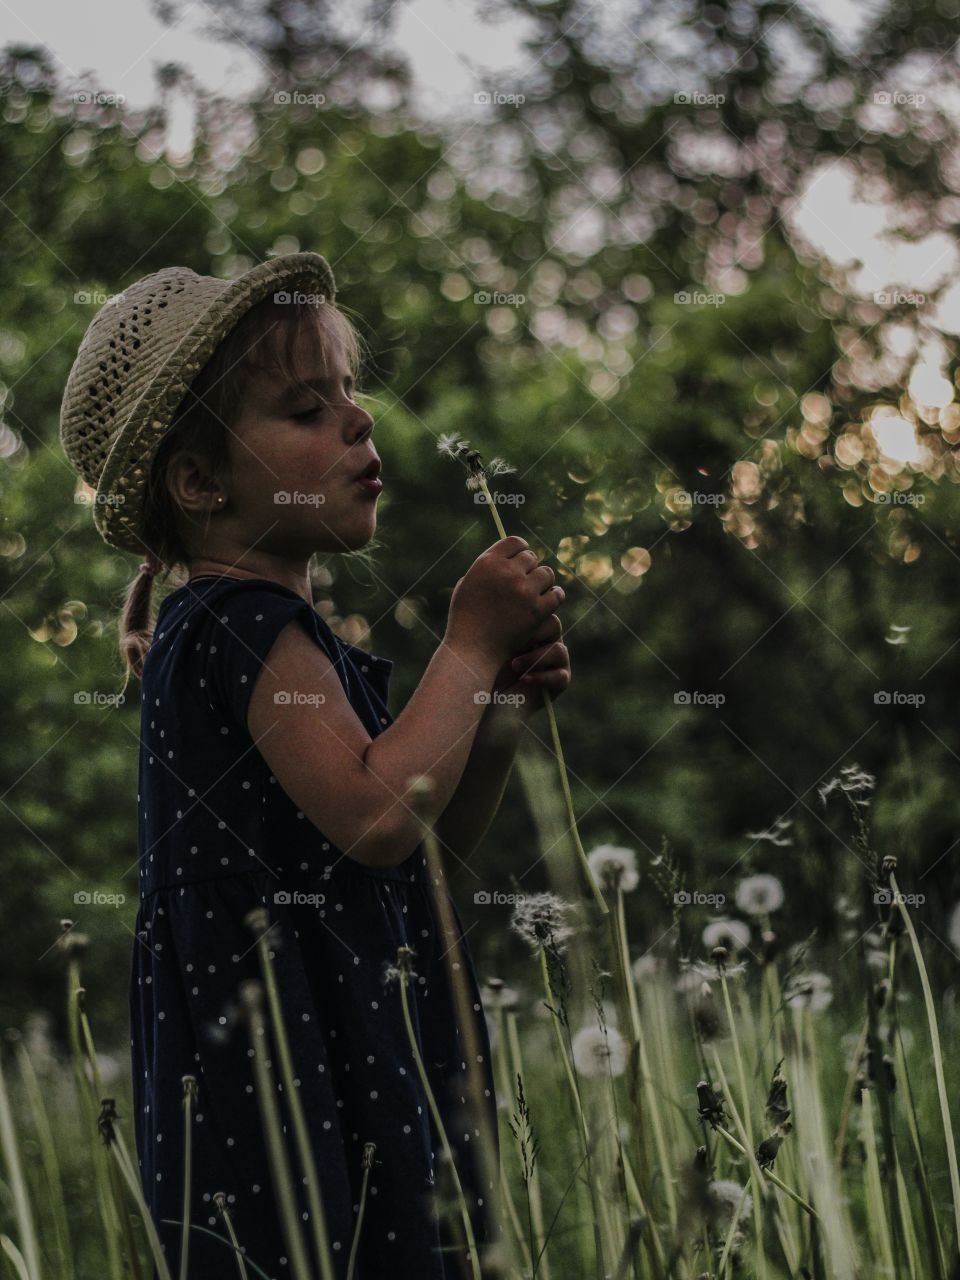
(18, 1185)
(368, 1150)
(220, 1200)
(438, 1121)
(189, 1093)
(758, 1189)
(555, 736)
(251, 992)
(937, 1055)
(769, 1174)
(578, 1107)
(258, 921)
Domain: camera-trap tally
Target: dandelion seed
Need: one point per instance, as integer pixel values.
(710, 972)
(733, 934)
(453, 445)
(775, 833)
(539, 920)
(853, 780)
(759, 895)
(615, 867)
(812, 991)
(403, 966)
(725, 1197)
(596, 1052)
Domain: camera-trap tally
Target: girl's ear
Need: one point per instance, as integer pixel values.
(190, 483)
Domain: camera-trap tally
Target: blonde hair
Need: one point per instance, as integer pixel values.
(264, 339)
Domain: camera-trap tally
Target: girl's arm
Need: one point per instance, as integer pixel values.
(356, 789)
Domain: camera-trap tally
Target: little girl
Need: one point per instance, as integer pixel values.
(217, 424)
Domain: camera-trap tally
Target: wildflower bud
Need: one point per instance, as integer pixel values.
(777, 1109)
(257, 920)
(368, 1149)
(251, 994)
(220, 1200)
(189, 1089)
(700, 1160)
(888, 866)
(766, 1153)
(719, 956)
(108, 1114)
(710, 1104)
(71, 943)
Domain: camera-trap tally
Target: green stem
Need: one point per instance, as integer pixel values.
(441, 1130)
(318, 1222)
(555, 735)
(368, 1149)
(251, 992)
(937, 1056)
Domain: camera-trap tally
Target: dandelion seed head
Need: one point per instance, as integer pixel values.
(615, 867)
(758, 895)
(725, 1195)
(497, 995)
(539, 920)
(812, 991)
(645, 966)
(596, 1052)
(733, 934)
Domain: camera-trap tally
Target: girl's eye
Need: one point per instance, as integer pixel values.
(306, 414)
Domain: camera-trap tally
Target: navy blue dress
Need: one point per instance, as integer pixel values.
(218, 836)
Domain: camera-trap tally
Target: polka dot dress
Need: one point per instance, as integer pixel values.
(217, 837)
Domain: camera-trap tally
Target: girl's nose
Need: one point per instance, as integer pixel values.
(361, 423)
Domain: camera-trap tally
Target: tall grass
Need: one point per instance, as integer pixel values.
(693, 1100)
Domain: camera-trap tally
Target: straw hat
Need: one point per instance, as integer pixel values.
(135, 364)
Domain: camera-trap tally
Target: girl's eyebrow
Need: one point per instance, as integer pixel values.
(295, 389)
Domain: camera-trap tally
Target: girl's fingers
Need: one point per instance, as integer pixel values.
(545, 657)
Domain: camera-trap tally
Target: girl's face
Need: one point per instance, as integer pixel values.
(296, 455)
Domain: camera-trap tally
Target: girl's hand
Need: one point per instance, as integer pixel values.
(545, 665)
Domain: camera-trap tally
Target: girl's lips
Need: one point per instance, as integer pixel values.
(372, 484)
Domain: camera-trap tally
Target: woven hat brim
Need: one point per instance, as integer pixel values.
(118, 507)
